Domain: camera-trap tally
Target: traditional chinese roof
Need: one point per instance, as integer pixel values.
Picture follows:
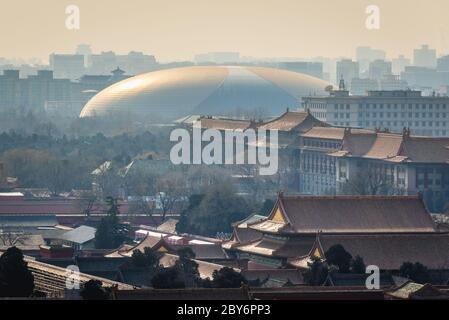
(205, 269)
(293, 120)
(150, 241)
(394, 147)
(347, 214)
(52, 279)
(274, 277)
(242, 233)
(411, 290)
(390, 251)
(205, 251)
(79, 235)
(331, 133)
(223, 124)
(279, 248)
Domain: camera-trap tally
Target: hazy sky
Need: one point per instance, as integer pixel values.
(178, 29)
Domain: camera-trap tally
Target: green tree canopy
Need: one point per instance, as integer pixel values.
(338, 256)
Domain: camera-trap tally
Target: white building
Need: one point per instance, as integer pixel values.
(394, 110)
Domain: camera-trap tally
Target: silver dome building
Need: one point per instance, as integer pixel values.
(209, 90)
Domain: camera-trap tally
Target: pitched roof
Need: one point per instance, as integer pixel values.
(347, 214)
(79, 235)
(282, 276)
(291, 247)
(52, 279)
(292, 120)
(394, 147)
(242, 234)
(206, 269)
(390, 251)
(168, 226)
(411, 290)
(205, 251)
(331, 133)
(223, 124)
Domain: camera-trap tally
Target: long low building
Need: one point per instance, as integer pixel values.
(384, 230)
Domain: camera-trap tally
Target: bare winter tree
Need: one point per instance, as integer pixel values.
(10, 239)
(172, 192)
(370, 182)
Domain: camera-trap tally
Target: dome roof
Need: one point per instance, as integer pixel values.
(210, 90)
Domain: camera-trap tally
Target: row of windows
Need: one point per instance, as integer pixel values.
(411, 124)
(318, 143)
(403, 115)
(395, 106)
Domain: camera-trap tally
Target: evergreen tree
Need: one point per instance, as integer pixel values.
(358, 265)
(16, 280)
(339, 257)
(317, 273)
(93, 290)
(227, 278)
(110, 233)
(415, 271)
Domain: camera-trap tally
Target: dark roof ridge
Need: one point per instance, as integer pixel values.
(284, 114)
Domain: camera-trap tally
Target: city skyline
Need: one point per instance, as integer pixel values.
(175, 31)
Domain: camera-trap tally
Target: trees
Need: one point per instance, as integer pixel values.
(93, 290)
(339, 257)
(358, 265)
(171, 191)
(184, 273)
(317, 272)
(168, 278)
(147, 259)
(370, 181)
(110, 233)
(227, 278)
(267, 206)
(415, 271)
(214, 212)
(16, 280)
(187, 267)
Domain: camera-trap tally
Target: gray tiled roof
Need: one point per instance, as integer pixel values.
(80, 235)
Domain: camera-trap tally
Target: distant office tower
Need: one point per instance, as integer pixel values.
(67, 66)
(134, 63)
(362, 86)
(365, 55)
(347, 69)
(394, 110)
(217, 57)
(390, 82)
(421, 77)
(378, 69)
(425, 57)
(314, 69)
(398, 64)
(9, 89)
(86, 51)
(443, 64)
